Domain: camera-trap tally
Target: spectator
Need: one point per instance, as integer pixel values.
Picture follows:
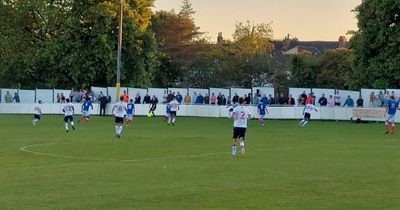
(16, 98)
(337, 98)
(271, 99)
(323, 101)
(360, 101)
(313, 98)
(264, 99)
(71, 95)
(62, 98)
(300, 100)
(199, 99)
(219, 99)
(255, 100)
(8, 97)
(194, 98)
(187, 99)
(224, 100)
(126, 97)
(281, 99)
(147, 99)
(235, 99)
(331, 101)
(381, 97)
(309, 99)
(213, 99)
(137, 99)
(304, 97)
(228, 101)
(290, 100)
(58, 98)
(170, 96)
(371, 99)
(179, 97)
(247, 98)
(349, 102)
(165, 97)
(206, 99)
(103, 104)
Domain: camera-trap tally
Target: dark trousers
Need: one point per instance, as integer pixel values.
(102, 110)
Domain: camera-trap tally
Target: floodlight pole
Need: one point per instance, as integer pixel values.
(118, 85)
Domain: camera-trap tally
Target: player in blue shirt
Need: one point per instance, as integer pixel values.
(391, 108)
(130, 111)
(167, 112)
(86, 111)
(262, 109)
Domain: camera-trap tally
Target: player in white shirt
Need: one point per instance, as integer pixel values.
(120, 110)
(240, 115)
(174, 106)
(68, 114)
(38, 111)
(307, 114)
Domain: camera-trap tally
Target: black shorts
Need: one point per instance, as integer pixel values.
(239, 132)
(36, 116)
(153, 108)
(70, 118)
(307, 116)
(173, 113)
(119, 120)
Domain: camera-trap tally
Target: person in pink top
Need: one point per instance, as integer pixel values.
(331, 101)
(213, 99)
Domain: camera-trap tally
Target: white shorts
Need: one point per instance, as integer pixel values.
(129, 116)
(262, 116)
(390, 118)
(85, 113)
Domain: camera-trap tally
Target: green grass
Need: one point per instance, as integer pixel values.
(327, 165)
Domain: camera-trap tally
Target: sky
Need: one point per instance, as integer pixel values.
(308, 20)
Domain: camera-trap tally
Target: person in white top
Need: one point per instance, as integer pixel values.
(307, 114)
(240, 115)
(37, 112)
(69, 112)
(174, 106)
(119, 114)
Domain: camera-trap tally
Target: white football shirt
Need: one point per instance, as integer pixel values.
(242, 115)
(309, 108)
(174, 105)
(120, 109)
(68, 109)
(37, 109)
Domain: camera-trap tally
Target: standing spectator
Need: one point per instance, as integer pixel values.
(313, 98)
(62, 98)
(199, 99)
(309, 99)
(187, 99)
(58, 98)
(16, 98)
(71, 95)
(291, 101)
(219, 99)
(349, 102)
(337, 98)
(271, 100)
(126, 97)
(247, 99)
(281, 99)
(206, 99)
(331, 101)
(179, 97)
(381, 97)
(8, 97)
(323, 101)
(146, 99)
(304, 97)
(300, 100)
(228, 101)
(165, 97)
(224, 100)
(137, 99)
(170, 96)
(255, 100)
(360, 101)
(371, 99)
(103, 103)
(235, 99)
(213, 99)
(194, 98)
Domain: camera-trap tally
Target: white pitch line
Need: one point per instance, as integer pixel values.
(26, 149)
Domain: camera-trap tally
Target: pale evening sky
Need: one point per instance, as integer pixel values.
(322, 20)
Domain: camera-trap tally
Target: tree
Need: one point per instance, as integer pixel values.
(304, 71)
(376, 45)
(335, 66)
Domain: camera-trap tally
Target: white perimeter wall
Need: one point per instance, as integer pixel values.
(325, 113)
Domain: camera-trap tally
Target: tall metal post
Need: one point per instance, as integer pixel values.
(118, 85)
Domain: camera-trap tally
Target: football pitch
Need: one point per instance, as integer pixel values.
(326, 165)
